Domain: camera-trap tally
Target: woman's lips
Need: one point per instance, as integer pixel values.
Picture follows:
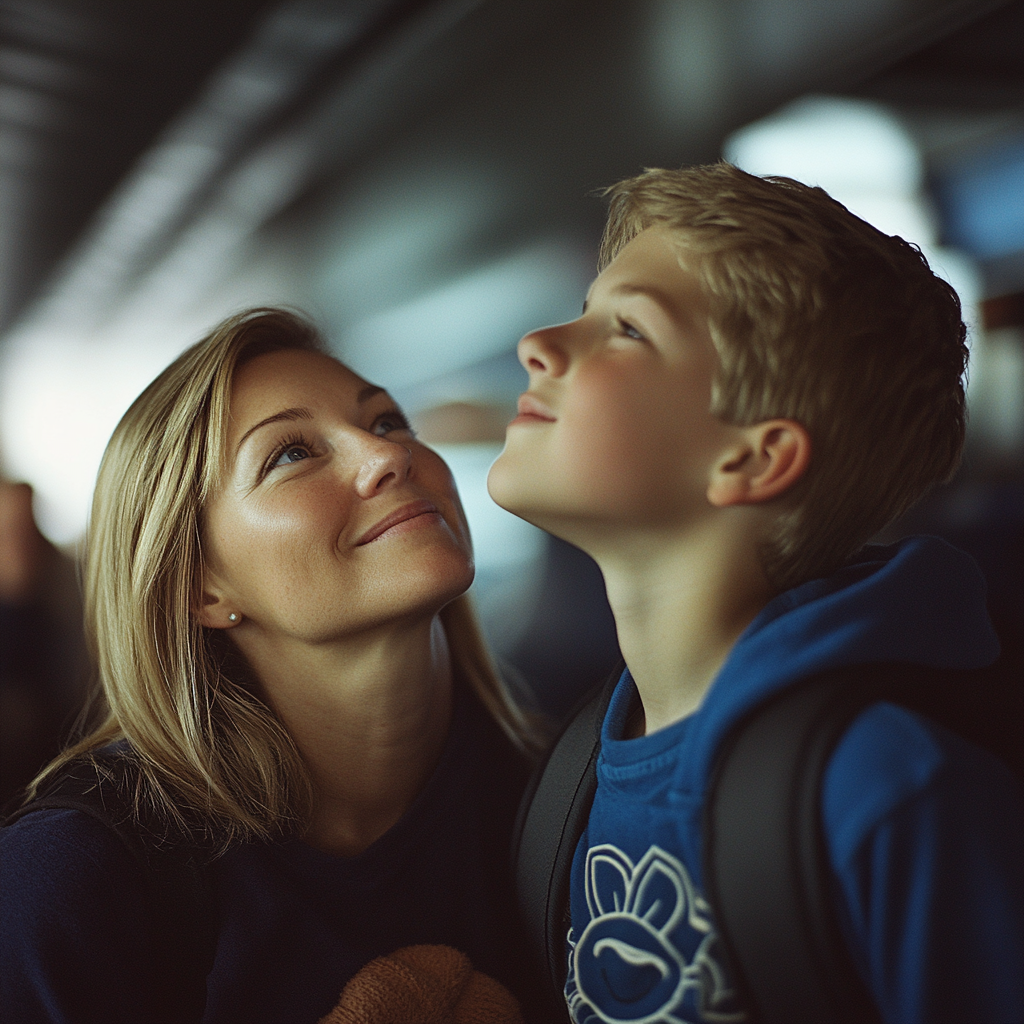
(532, 410)
(401, 515)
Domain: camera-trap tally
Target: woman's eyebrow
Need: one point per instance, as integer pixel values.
(368, 392)
(284, 414)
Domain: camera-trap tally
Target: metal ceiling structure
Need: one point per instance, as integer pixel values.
(122, 126)
(417, 174)
(84, 89)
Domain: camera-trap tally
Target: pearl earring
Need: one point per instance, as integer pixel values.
(232, 617)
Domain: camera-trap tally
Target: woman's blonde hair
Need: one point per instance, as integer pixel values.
(818, 317)
(210, 755)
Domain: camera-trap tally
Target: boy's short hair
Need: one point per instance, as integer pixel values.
(820, 318)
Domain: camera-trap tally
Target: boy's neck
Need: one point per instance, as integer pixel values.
(680, 603)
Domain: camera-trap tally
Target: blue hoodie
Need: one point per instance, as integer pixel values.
(924, 832)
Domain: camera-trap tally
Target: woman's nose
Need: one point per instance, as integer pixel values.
(543, 351)
(383, 463)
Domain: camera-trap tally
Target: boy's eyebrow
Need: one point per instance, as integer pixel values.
(655, 294)
(678, 312)
(637, 289)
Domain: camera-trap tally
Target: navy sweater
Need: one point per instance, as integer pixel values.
(293, 924)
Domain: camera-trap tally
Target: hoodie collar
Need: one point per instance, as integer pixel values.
(920, 601)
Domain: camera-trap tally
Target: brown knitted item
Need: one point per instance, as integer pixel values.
(424, 985)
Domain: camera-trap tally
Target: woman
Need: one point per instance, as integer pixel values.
(297, 700)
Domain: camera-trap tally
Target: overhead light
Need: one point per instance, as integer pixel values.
(863, 157)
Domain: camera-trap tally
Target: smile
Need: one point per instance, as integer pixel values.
(414, 510)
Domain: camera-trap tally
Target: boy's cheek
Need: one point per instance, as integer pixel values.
(621, 450)
(606, 469)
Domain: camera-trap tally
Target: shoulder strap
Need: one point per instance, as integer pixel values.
(552, 818)
(177, 874)
(766, 870)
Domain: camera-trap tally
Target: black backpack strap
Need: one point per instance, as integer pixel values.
(552, 817)
(766, 864)
(176, 871)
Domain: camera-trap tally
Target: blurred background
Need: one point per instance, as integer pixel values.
(419, 178)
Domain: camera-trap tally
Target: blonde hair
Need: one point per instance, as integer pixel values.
(210, 755)
(817, 317)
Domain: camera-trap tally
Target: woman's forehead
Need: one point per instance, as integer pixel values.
(270, 376)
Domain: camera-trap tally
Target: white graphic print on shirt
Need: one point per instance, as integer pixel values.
(628, 965)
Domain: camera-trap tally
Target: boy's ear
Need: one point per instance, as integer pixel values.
(216, 610)
(771, 457)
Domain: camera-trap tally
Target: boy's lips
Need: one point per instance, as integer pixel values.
(532, 410)
(400, 515)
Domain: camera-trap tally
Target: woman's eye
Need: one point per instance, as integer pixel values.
(293, 453)
(389, 422)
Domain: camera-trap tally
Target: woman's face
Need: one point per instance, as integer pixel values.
(330, 518)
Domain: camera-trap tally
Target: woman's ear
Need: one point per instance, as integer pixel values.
(769, 459)
(216, 610)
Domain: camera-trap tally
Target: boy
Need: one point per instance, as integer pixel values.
(759, 383)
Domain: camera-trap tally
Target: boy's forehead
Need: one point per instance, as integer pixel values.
(653, 264)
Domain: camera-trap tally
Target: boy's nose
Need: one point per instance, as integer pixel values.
(383, 464)
(540, 352)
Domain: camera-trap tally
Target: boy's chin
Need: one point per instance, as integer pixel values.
(516, 489)
(512, 502)
(529, 509)
(504, 487)
(512, 486)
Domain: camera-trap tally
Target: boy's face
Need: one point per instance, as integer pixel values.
(614, 434)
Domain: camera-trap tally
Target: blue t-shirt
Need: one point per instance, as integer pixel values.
(293, 923)
(924, 832)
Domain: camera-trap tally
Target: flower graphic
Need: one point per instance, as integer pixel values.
(626, 967)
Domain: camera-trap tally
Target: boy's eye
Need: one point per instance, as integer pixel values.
(630, 331)
(389, 422)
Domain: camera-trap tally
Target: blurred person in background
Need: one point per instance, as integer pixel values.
(42, 650)
(301, 729)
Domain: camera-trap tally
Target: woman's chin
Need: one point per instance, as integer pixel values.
(432, 582)
(456, 581)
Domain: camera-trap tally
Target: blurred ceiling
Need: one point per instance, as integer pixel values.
(123, 126)
(417, 174)
(85, 87)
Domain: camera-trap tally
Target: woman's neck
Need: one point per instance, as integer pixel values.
(370, 717)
